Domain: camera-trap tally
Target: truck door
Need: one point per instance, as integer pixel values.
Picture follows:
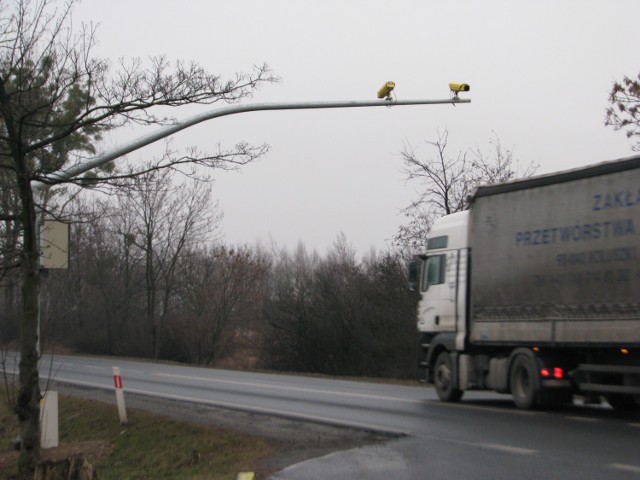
(439, 288)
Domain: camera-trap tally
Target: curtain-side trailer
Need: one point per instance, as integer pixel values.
(534, 290)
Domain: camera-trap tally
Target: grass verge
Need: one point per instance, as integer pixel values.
(149, 447)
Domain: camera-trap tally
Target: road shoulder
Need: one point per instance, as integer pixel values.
(294, 441)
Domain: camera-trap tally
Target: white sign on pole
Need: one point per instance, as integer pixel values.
(54, 242)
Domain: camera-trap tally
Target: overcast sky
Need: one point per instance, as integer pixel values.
(539, 71)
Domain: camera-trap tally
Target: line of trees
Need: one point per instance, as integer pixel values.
(146, 280)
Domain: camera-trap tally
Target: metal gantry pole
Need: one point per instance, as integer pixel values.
(90, 163)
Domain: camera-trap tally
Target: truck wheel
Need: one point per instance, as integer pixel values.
(443, 379)
(523, 387)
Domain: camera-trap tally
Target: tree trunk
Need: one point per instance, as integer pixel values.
(9, 322)
(151, 298)
(28, 405)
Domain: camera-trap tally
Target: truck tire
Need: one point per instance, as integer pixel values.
(443, 379)
(523, 382)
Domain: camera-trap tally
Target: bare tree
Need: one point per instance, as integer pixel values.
(221, 286)
(338, 316)
(624, 110)
(9, 263)
(97, 304)
(55, 98)
(7, 377)
(445, 182)
(390, 317)
(166, 219)
(289, 312)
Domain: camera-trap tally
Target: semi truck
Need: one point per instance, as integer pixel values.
(534, 290)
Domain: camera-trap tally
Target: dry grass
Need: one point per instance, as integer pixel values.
(149, 447)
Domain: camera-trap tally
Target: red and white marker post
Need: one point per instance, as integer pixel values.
(122, 410)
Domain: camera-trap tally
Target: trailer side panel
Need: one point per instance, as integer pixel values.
(558, 261)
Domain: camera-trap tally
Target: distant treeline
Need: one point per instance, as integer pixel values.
(137, 291)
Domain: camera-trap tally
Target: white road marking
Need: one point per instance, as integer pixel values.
(484, 445)
(70, 381)
(507, 448)
(582, 419)
(293, 389)
(625, 467)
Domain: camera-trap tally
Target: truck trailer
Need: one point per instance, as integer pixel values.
(534, 290)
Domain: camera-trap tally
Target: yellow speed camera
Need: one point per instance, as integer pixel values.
(386, 90)
(459, 87)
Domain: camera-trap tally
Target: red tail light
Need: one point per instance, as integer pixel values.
(555, 372)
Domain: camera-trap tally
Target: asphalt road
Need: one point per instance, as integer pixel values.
(483, 436)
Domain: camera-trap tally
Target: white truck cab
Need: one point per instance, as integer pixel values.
(442, 282)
